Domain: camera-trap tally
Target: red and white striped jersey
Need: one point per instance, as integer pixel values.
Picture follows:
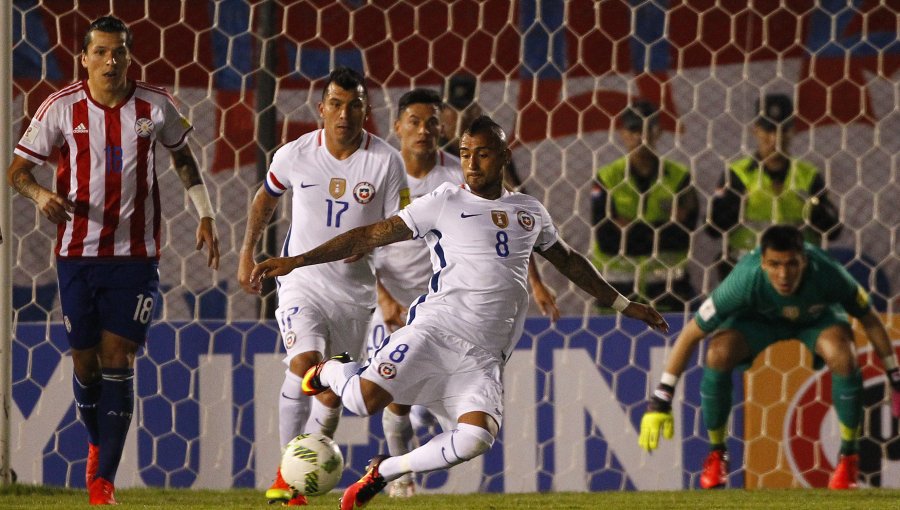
(106, 166)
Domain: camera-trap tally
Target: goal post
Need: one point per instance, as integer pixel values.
(6, 267)
(557, 76)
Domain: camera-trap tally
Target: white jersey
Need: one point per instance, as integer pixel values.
(332, 196)
(480, 252)
(404, 268)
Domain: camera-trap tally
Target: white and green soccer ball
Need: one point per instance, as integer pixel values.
(312, 464)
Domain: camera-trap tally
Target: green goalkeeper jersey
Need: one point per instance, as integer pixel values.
(747, 293)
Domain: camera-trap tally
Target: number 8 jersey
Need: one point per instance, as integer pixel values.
(332, 196)
(480, 252)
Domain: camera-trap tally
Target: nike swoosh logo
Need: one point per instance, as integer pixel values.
(307, 185)
(464, 215)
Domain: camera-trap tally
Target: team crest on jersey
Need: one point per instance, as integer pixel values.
(290, 338)
(143, 127)
(337, 187)
(526, 220)
(387, 370)
(790, 312)
(500, 218)
(364, 192)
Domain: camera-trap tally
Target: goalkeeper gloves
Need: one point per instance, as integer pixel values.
(894, 378)
(658, 418)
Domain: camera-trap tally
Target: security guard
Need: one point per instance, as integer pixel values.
(644, 209)
(770, 187)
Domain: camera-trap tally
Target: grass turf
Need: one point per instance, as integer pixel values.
(32, 497)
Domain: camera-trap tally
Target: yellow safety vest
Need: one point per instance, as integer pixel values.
(765, 207)
(653, 207)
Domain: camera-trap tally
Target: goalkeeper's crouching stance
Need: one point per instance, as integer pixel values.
(785, 289)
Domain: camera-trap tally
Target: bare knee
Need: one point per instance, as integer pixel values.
(375, 397)
(86, 363)
(835, 346)
(399, 409)
(116, 351)
(725, 350)
(302, 362)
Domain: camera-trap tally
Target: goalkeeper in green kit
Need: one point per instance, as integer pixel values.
(785, 289)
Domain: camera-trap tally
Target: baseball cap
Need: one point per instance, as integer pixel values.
(460, 91)
(775, 110)
(636, 114)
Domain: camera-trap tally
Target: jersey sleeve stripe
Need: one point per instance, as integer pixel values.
(277, 183)
(71, 89)
(28, 152)
(273, 187)
(158, 90)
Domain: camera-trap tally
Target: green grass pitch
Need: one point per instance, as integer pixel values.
(35, 497)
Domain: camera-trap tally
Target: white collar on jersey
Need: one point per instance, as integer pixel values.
(504, 193)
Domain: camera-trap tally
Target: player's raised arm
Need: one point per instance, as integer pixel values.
(580, 271)
(353, 242)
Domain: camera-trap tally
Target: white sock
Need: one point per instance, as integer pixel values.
(322, 419)
(398, 432)
(443, 451)
(343, 379)
(293, 408)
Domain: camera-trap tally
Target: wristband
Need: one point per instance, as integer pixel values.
(890, 362)
(200, 197)
(620, 303)
(668, 379)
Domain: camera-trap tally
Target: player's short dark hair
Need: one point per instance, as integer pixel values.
(637, 114)
(109, 25)
(419, 96)
(781, 238)
(484, 125)
(347, 79)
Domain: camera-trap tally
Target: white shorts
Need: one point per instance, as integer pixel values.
(325, 327)
(375, 334)
(421, 365)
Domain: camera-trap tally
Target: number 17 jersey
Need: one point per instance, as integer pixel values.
(332, 196)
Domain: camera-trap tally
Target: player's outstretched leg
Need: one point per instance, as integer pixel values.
(715, 470)
(312, 384)
(846, 473)
(360, 493)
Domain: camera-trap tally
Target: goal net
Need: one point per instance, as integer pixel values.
(556, 75)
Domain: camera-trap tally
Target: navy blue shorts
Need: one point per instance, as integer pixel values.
(107, 296)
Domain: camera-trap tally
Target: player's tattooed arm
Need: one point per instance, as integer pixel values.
(55, 207)
(186, 167)
(261, 211)
(353, 242)
(579, 270)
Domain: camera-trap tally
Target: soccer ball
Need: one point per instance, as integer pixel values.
(312, 464)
